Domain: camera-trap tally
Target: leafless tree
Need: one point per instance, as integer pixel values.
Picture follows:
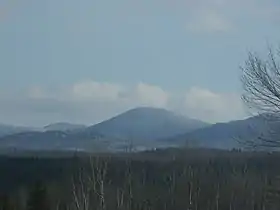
(261, 85)
(90, 186)
(81, 193)
(261, 82)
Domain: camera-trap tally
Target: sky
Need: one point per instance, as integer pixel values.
(85, 61)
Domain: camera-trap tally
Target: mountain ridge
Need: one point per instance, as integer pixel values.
(147, 123)
(63, 126)
(144, 128)
(227, 135)
(139, 125)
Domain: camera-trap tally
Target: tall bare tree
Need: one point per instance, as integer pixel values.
(261, 85)
(261, 82)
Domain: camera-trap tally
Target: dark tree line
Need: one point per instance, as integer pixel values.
(226, 180)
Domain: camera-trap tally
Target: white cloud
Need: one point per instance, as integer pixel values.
(149, 95)
(210, 106)
(92, 91)
(91, 102)
(140, 95)
(96, 91)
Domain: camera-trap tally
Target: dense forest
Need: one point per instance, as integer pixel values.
(163, 179)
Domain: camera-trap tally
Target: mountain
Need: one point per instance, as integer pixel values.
(63, 126)
(54, 140)
(141, 125)
(142, 128)
(146, 124)
(9, 129)
(229, 135)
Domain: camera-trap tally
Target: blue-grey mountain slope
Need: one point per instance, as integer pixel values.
(54, 140)
(9, 129)
(147, 124)
(142, 126)
(234, 134)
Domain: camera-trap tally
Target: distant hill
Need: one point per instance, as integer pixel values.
(142, 126)
(229, 135)
(146, 124)
(9, 129)
(54, 140)
(63, 126)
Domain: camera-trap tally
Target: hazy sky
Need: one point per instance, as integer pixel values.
(84, 61)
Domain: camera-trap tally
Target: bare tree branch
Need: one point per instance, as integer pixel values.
(261, 84)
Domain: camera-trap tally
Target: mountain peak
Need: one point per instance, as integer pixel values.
(154, 112)
(147, 123)
(147, 108)
(146, 111)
